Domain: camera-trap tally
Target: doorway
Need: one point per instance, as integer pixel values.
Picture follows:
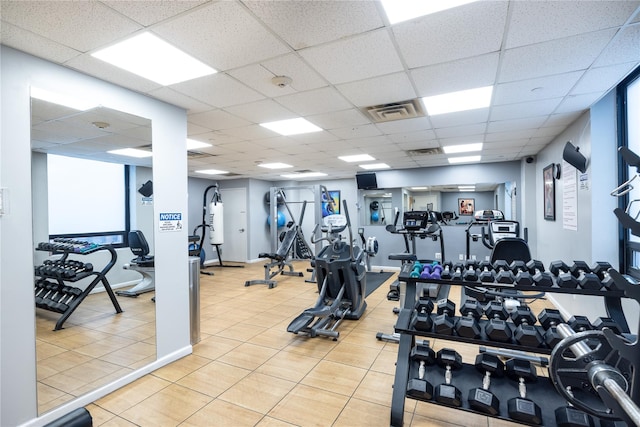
(235, 224)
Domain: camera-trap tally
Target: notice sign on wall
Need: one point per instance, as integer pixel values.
(170, 221)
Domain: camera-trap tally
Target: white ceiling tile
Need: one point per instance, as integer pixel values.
(378, 90)
(553, 57)
(515, 125)
(418, 143)
(412, 137)
(535, 89)
(509, 135)
(314, 138)
(315, 101)
(562, 120)
(217, 120)
(308, 23)
(460, 118)
(265, 110)
(339, 119)
(356, 132)
(578, 102)
(524, 109)
(356, 58)
(227, 37)
(625, 47)
(218, 90)
(470, 30)
(404, 126)
(458, 131)
(602, 79)
(34, 44)
(538, 21)
(548, 131)
(458, 75)
(250, 132)
(149, 12)
(169, 95)
(93, 23)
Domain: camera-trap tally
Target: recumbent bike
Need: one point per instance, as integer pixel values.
(341, 278)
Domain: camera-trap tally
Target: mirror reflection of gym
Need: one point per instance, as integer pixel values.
(95, 344)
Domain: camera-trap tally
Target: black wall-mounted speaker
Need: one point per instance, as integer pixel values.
(147, 189)
(573, 156)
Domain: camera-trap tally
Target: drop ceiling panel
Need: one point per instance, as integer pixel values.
(339, 119)
(152, 11)
(578, 102)
(217, 120)
(466, 31)
(561, 120)
(524, 109)
(469, 117)
(219, 90)
(227, 37)
(415, 140)
(356, 132)
(93, 24)
(602, 79)
(315, 101)
(169, 95)
(625, 47)
(265, 110)
(26, 41)
(539, 21)
(317, 138)
(378, 90)
(460, 131)
(304, 24)
(368, 55)
(515, 125)
(553, 57)
(404, 126)
(509, 135)
(535, 89)
(251, 132)
(457, 75)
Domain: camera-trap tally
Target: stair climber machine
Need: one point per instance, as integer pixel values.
(341, 277)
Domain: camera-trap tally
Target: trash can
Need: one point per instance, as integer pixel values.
(194, 298)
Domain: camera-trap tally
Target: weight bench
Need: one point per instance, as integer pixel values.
(279, 261)
(143, 264)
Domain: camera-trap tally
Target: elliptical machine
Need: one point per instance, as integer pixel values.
(341, 278)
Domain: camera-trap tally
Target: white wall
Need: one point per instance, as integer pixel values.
(18, 401)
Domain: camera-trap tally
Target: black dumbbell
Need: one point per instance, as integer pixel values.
(563, 277)
(586, 279)
(480, 398)
(470, 273)
(458, 270)
(486, 274)
(520, 408)
(503, 273)
(521, 272)
(607, 322)
(568, 416)
(580, 323)
(447, 393)
(467, 325)
(526, 333)
(601, 269)
(419, 387)
(540, 277)
(70, 294)
(443, 322)
(446, 272)
(549, 318)
(422, 318)
(497, 329)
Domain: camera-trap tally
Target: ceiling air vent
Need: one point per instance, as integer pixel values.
(198, 155)
(394, 111)
(425, 151)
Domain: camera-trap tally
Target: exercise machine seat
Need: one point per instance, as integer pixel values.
(139, 246)
(511, 249)
(278, 260)
(285, 246)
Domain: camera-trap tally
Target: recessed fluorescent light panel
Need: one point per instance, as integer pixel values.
(275, 165)
(375, 166)
(466, 187)
(403, 10)
(464, 148)
(192, 144)
(131, 152)
(61, 99)
(419, 188)
(463, 100)
(464, 159)
(211, 172)
(291, 126)
(356, 158)
(303, 175)
(152, 58)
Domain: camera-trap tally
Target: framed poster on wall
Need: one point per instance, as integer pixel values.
(549, 197)
(466, 206)
(333, 207)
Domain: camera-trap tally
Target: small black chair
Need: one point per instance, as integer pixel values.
(511, 249)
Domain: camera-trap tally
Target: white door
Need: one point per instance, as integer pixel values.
(235, 224)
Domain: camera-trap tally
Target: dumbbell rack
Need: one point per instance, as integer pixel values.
(100, 276)
(542, 391)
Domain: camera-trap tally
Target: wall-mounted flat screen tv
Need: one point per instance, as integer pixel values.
(366, 181)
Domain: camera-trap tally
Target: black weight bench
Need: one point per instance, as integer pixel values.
(278, 261)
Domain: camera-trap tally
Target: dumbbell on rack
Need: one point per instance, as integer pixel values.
(447, 393)
(568, 416)
(564, 278)
(586, 279)
(503, 272)
(521, 272)
(446, 273)
(540, 277)
(486, 272)
(549, 318)
(422, 319)
(601, 269)
(526, 333)
(470, 272)
(419, 387)
(467, 326)
(443, 323)
(520, 408)
(480, 398)
(497, 329)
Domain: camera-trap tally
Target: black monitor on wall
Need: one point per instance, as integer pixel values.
(367, 181)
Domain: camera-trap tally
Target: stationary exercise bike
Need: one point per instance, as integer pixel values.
(341, 279)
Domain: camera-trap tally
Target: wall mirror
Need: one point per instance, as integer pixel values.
(95, 345)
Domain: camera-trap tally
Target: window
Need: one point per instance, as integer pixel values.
(629, 135)
(87, 199)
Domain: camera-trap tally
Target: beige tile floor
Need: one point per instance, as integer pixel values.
(247, 370)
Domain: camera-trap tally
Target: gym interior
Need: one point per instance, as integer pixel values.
(372, 297)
